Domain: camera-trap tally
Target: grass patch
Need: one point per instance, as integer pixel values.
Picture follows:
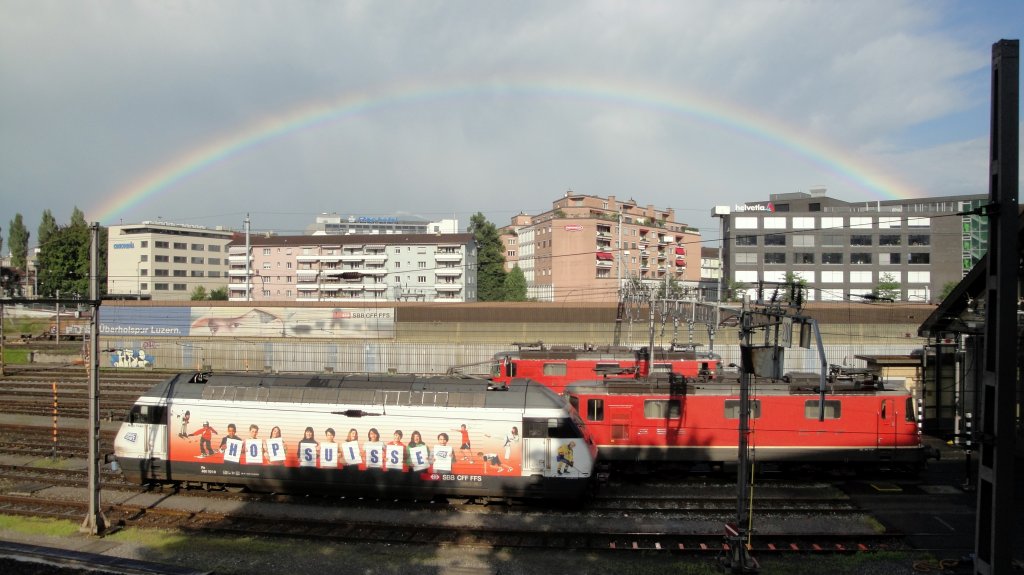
(51, 463)
(16, 355)
(38, 527)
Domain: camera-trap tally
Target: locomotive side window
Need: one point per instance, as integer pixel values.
(148, 414)
(833, 409)
(662, 409)
(908, 412)
(662, 368)
(554, 369)
(732, 408)
(550, 427)
(595, 410)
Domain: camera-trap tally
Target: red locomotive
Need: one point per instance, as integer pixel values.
(558, 366)
(670, 419)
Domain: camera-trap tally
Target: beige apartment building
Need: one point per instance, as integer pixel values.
(585, 247)
(166, 261)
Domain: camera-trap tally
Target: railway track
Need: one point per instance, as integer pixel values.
(507, 534)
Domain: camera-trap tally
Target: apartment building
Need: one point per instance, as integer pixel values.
(844, 250)
(345, 268)
(166, 261)
(585, 247)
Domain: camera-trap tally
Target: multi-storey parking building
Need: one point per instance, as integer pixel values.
(586, 247)
(166, 261)
(375, 267)
(848, 249)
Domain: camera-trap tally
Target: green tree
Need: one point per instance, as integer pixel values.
(515, 285)
(199, 294)
(490, 275)
(64, 263)
(78, 218)
(797, 282)
(64, 260)
(733, 289)
(17, 242)
(219, 294)
(888, 288)
(947, 289)
(47, 227)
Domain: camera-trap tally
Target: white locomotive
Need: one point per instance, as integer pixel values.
(375, 434)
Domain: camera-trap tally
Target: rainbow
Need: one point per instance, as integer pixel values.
(716, 112)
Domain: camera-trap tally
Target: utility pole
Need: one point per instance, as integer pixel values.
(95, 523)
(995, 511)
(248, 260)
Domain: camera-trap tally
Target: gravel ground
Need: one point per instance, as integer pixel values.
(270, 556)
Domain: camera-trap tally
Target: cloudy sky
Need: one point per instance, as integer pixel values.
(203, 112)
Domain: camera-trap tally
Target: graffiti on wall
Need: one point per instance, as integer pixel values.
(128, 357)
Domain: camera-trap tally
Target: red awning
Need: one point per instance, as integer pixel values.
(604, 256)
(681, 251)
(680, 263)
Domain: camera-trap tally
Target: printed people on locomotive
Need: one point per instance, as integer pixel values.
(205, 434)
(275, 448)
(255, 448)
(565, 457)
(308, 448)
(394, 452)
(465, 448)
(374, 449)
(231, 445)
(418, 455)
(351, 448)
(231, 435)
(492, 460)
(443, 454)
(510, 438)
(183, 430)
(328, 449)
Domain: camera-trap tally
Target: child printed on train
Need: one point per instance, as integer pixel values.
(351, 448)
(565, 457)
(466, 448)
(255, 448)
(329, 449)
(443, 454)
(183, 430)
(276, 450)
(231, 445)
(394, 452)
(374, 449)
(491, 460)
(418, 457)
(308, 448)
(205, 434)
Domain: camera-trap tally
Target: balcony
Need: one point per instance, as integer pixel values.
(448, 257)
(448, 287)
(448, 272)
(239, 273)
(239, 260)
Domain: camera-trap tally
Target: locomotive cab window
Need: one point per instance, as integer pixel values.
(908, 411)
(554, 369)
(833, 409)
(148, 414)
(662, 409)
(732, 408)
